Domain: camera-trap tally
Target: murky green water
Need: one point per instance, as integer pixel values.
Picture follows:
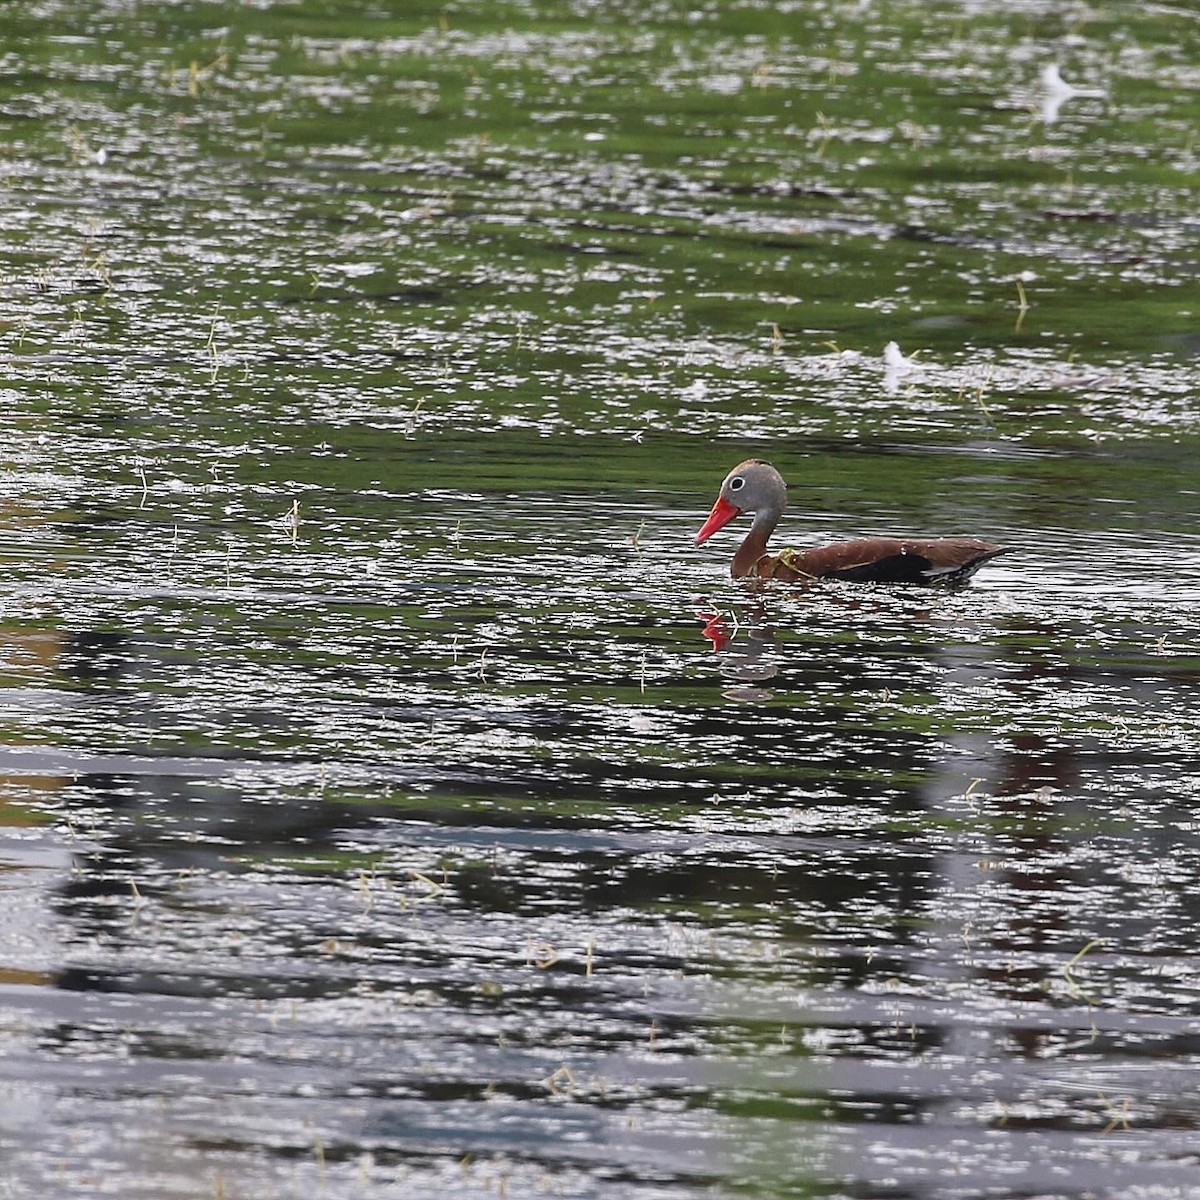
(377, 816)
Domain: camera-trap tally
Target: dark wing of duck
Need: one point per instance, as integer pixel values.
(942, 562)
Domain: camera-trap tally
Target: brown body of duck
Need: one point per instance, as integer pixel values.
(755, 486)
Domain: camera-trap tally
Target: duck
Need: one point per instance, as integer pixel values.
(755, 486)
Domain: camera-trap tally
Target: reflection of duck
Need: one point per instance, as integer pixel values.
(755, 486)
(748, 661)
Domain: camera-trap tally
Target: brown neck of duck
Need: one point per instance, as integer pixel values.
(754, 544)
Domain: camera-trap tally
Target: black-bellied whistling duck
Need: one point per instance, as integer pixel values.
(755, 486)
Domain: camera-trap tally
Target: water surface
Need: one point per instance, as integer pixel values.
(394, 798)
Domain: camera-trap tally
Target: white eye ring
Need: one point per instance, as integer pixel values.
(736, 483)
